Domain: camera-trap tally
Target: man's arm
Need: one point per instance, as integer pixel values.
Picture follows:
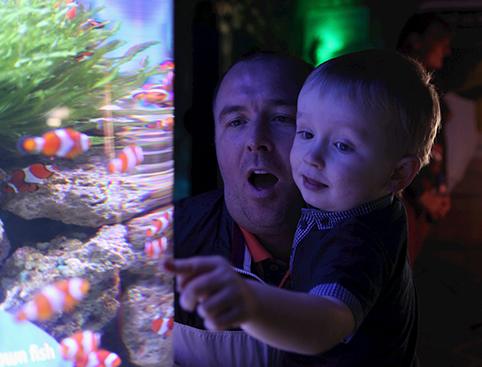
(287, 320)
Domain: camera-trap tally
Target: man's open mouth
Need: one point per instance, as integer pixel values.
(262, 180)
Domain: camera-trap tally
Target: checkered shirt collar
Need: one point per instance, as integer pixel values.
(326, 219)
(323, 219)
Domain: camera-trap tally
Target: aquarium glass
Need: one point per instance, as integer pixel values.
(86, 175)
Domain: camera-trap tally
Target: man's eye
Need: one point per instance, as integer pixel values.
(342, 147)
(304, 134)
(235, 123)
(284, 119)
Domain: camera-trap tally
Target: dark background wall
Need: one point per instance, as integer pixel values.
(210, 35)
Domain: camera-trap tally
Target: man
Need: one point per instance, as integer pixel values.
(252, 221)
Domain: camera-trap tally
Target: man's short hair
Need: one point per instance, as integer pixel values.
(260, 55)
(386, 83)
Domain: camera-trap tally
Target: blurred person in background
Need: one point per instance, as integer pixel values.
(427, 38)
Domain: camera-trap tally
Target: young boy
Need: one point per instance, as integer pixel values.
(365, 125)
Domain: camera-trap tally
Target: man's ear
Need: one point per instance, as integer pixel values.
(405, 170)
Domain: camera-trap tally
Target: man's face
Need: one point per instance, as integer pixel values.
(340, 156)
(435, 47)
(254, 115)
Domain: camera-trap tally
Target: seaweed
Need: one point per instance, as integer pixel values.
(51, 60)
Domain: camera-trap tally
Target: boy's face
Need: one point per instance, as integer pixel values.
(339, 157)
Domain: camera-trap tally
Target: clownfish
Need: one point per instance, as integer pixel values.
(166, 65)
(164, 124)
(131, 156)
(153, 94)
(67, 143)
(159, 225)
(83, 56)
(163, 326)
(54, 298)
(93, 24)
(79, 345)
(157, 247)
(168, 81)
(72, 11)
(27, 179)
(99, 358)
(71, 8)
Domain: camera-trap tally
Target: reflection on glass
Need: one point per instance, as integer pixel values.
(86, 158)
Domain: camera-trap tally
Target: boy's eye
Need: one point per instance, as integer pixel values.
(342, 147)
(304, 134)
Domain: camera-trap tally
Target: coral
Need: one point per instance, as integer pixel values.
(142, 303)
(99, 260)
(85, 195)
(4, 243)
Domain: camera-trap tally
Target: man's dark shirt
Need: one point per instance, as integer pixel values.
(203, 226)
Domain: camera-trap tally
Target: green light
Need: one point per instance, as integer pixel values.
(331, 42)
(332, 31)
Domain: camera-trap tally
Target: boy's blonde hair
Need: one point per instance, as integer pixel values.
(386, 82)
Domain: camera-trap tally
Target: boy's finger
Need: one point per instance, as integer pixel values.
(225, 320)
(220, 303)
(168, 265)
(194, 265)
(199, 288)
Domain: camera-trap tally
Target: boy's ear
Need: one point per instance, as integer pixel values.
(404, 172)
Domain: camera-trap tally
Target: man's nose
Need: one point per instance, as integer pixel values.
(259, 138)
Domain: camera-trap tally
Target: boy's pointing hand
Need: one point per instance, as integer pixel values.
(223, 299)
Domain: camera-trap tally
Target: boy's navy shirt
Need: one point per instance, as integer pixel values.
(386, 335)
(359, 256)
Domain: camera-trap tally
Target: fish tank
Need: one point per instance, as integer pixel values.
(86, 176)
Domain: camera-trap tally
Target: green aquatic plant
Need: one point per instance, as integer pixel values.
(52, 59)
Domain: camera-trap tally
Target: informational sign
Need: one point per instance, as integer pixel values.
(25, 344)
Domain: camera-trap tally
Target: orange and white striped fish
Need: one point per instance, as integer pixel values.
(166, 123)
(79, 345)
(163, 326)
(151, 93)
(131, 156)
(166, 65)
(99, 358)
(93, 24)
(27, 179)
(156, 248)
(71, 8)
(159, 225)
(67, 143)
(55, 298)
(85, 55)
